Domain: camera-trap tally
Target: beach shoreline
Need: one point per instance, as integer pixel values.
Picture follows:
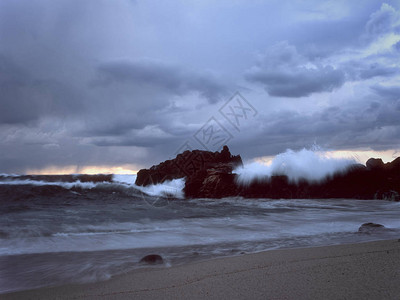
(349, 271)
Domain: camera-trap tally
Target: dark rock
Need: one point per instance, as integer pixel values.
(152, 259)
(374, 163)
(186, 164)
(379, 181)
(387, 195)
(194, 183)
(218, 184)
(395, 164)
(208, 174)
(371, 228)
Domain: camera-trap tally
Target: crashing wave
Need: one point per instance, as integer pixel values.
(304, 164)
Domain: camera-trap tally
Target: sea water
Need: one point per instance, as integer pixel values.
(57, 230)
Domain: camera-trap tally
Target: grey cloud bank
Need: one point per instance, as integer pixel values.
(128, 82)
(285, 74)
(168, 77)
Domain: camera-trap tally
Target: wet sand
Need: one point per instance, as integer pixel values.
(354, 271)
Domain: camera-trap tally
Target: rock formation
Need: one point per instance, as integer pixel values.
(152, 259)
(376, 181)
(370, 228)
(209, 175)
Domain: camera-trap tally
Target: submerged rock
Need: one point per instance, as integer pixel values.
(152, 259)
(371, 228)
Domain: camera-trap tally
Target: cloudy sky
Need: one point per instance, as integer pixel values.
(94, 84)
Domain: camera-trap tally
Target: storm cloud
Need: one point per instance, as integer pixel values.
(285, 73)
(386, 19)
(170, 78)
(111, 83)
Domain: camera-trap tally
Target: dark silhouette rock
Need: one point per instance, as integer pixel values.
(152, 259)
(369, 228)
(216, 182)
(387, 195)
(208, 174)
(374, 163)
(378, 181)
(395, 164)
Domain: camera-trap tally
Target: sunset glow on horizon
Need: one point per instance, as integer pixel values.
(55, 170)
(359, 156)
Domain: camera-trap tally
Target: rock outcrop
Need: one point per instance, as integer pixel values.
(214, 182)
(152, 259)
(369, 228)
(374, 181)
(208, 174)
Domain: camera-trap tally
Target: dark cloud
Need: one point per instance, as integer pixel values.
(374, 70)
(171, 78)
(387, 92)
(331, 128)
(385, 20)
(147, 141)
(285, 73)
(25, 99)
(300, 82)
(15, 86)
(103, 82)
(317, 39)
(14, 158)
(100, 127)
(365, 69)
(397, 46)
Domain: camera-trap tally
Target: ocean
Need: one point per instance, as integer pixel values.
(81, 228)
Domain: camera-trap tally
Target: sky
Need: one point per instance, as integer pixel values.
(112, 86)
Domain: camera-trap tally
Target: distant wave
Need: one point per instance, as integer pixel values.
(60, 178)
(110, 183)
(304, 164)
(67, 185)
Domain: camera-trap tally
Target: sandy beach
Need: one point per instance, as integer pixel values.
(354, 271)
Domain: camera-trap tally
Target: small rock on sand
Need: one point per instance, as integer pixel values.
(152, 259)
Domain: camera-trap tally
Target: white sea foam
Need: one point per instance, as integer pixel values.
(67, 185)
(128, 179)
(306, 219)
(9, 175)
(307, 164)
(171, 188)
(313, 165)
(92, 241)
